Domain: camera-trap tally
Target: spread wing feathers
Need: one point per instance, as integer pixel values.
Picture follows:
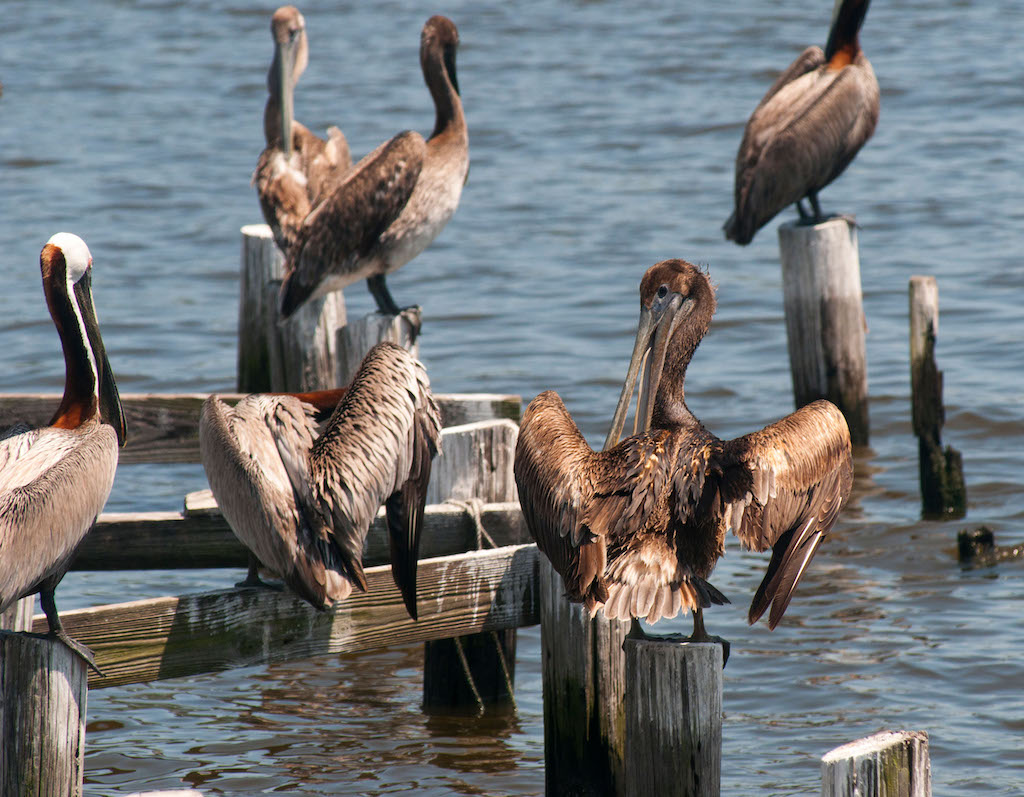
(782, 487)
(552, 467)
(53, 484)
(288, 189)
(600, 516)
(241, 450)
(348, 223)
(802, 136)
(369, 450)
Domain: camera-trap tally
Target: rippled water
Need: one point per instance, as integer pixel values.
(601, 141)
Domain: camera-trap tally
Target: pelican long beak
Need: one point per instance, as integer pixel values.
(284, 57)
(109, 400)
(654, 331)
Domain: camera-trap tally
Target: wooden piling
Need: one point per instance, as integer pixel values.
(299, 354)
(825, 324)
(42, 717)
(18, 616)
(584, 674)
(358, 337)
(888, 764)
(475, 672)
(673, 718)
(943, 493)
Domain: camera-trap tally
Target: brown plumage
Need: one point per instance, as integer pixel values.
(302, 500)
(394, 202)
(639, 526)
(806, 129)
(297, 169)
(55, 480)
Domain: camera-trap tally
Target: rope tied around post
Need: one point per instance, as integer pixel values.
(474, 508)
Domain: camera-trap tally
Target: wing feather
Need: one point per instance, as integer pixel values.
(791, 478)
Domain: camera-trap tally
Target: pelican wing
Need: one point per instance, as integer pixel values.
(809, 60)
(53, 484)
(553, 467)
(346, 226)
(782, 487)
(284, 195)
(377, 443)
(243, 450)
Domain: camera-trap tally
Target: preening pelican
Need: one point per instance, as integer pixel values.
(302, 501)
(638, 527)
(807, 128)
(297, 169)
(55, 480)
(394, 202)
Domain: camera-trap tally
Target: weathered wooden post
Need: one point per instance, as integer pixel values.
(358, 337)
(18, 616)
(472, 672)
(301, 353)
(584, 688)
(888, 764)
(673, 718)
(42, 717)
(825, 324)
(941, 470)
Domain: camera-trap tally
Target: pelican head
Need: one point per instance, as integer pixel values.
(66, 266)
(673, 293)
(440, 36)
(291, 54)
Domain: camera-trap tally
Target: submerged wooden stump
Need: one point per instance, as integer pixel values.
(42, 718)
(825, 324)
(943, 493)
(673, 718)
(888, 764)
(584, 687)
(299, 354)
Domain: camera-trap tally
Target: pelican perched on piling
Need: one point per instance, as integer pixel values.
(297, 168)
(302, 501)
(638, 527)
(807, 128)
(394, 202)
(55, 480)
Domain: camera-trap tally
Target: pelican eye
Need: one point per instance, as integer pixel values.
(663, 291)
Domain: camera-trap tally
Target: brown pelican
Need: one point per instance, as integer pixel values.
(639, 526)
(396, 199)
(302, 501)
(807, 128)
(297, 169)
(55, 480)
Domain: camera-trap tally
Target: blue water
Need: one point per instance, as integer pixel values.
(602, 140)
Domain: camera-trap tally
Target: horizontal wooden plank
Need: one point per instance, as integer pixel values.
(164, 427)
(202, 538)
(173, 637)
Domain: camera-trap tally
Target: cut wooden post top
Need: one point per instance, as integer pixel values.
(875, 743)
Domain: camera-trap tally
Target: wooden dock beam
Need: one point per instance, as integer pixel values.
(170, 637)
(584, 687)
(943, 493)
(888, 764)
(42, 717)
(825, 324)
(673, 718)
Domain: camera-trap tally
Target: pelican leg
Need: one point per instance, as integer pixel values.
(813, 199)
(805, 217)
(57, 631)
(252, 578)
(385, 303)
(700, 634)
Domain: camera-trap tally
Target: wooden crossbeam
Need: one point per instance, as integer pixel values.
(164, 428)
(200, 537)
(171, 637)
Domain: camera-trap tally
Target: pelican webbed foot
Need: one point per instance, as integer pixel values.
(699, 635)
(49, 604)
(252, 578)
